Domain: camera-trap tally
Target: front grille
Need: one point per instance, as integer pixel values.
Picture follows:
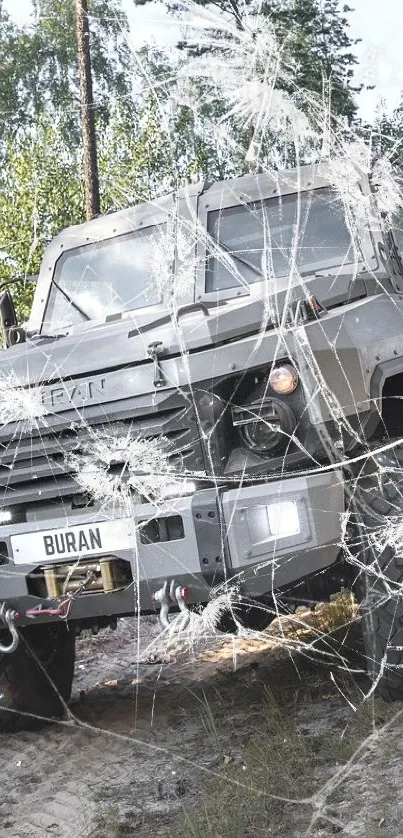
(35, 466)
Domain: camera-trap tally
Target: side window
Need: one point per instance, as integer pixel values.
(397, 230)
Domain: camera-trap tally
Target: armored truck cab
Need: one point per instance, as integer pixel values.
(201, 406)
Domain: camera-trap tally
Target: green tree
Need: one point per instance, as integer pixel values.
(266, 84)
(322, 50)
(39, 64)
(19, 66)
(40, 193)
(317, 43)
(145, 152)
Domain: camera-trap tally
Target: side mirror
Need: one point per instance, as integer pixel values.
(8, 320)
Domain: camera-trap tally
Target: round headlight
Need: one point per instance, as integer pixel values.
(283, 379)
(261, 436)
(272, 431)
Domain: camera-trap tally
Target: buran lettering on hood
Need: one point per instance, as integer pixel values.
(79, 393)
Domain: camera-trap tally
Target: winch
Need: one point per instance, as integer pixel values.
(109, 574)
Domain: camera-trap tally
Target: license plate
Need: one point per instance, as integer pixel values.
(73, 542)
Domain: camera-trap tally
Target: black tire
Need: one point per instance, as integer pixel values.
(36, 679)
(377, 507)
(250, 615)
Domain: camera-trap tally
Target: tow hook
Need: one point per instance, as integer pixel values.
(176, 596)
(8, 616)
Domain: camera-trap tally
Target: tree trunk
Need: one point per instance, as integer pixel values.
(91, 179)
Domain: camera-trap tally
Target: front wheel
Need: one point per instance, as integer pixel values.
(378, 511)
(255, 616)
(36, 679)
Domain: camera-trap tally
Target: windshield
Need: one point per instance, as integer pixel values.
(264, 236)
(95, 280)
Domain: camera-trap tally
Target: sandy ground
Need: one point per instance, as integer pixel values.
(150, 747)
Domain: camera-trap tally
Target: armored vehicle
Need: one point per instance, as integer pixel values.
(203, 409)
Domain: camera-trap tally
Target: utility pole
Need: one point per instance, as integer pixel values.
(91, 178)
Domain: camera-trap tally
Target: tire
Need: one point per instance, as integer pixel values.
(37, 678)
(377, 506)
(254, 616)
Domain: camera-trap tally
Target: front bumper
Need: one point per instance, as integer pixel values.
(227, 538)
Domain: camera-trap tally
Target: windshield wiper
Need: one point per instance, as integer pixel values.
(71, 301)
(240, 259)
(42, 336)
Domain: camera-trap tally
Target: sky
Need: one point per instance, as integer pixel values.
(378, 22)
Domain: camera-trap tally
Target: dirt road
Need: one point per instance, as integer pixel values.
(237, 737)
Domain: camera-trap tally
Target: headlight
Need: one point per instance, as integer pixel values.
(279, 519)
(265, 426)
(177, 489)
(283, 519)
(283, 379)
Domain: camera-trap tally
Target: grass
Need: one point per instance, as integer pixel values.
(207, 718)
(280, 760)
(339, 612)
(289, 752)
(272, 734)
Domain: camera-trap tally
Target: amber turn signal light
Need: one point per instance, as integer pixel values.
(283, 379)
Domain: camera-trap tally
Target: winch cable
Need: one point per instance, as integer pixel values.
(64, 608)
